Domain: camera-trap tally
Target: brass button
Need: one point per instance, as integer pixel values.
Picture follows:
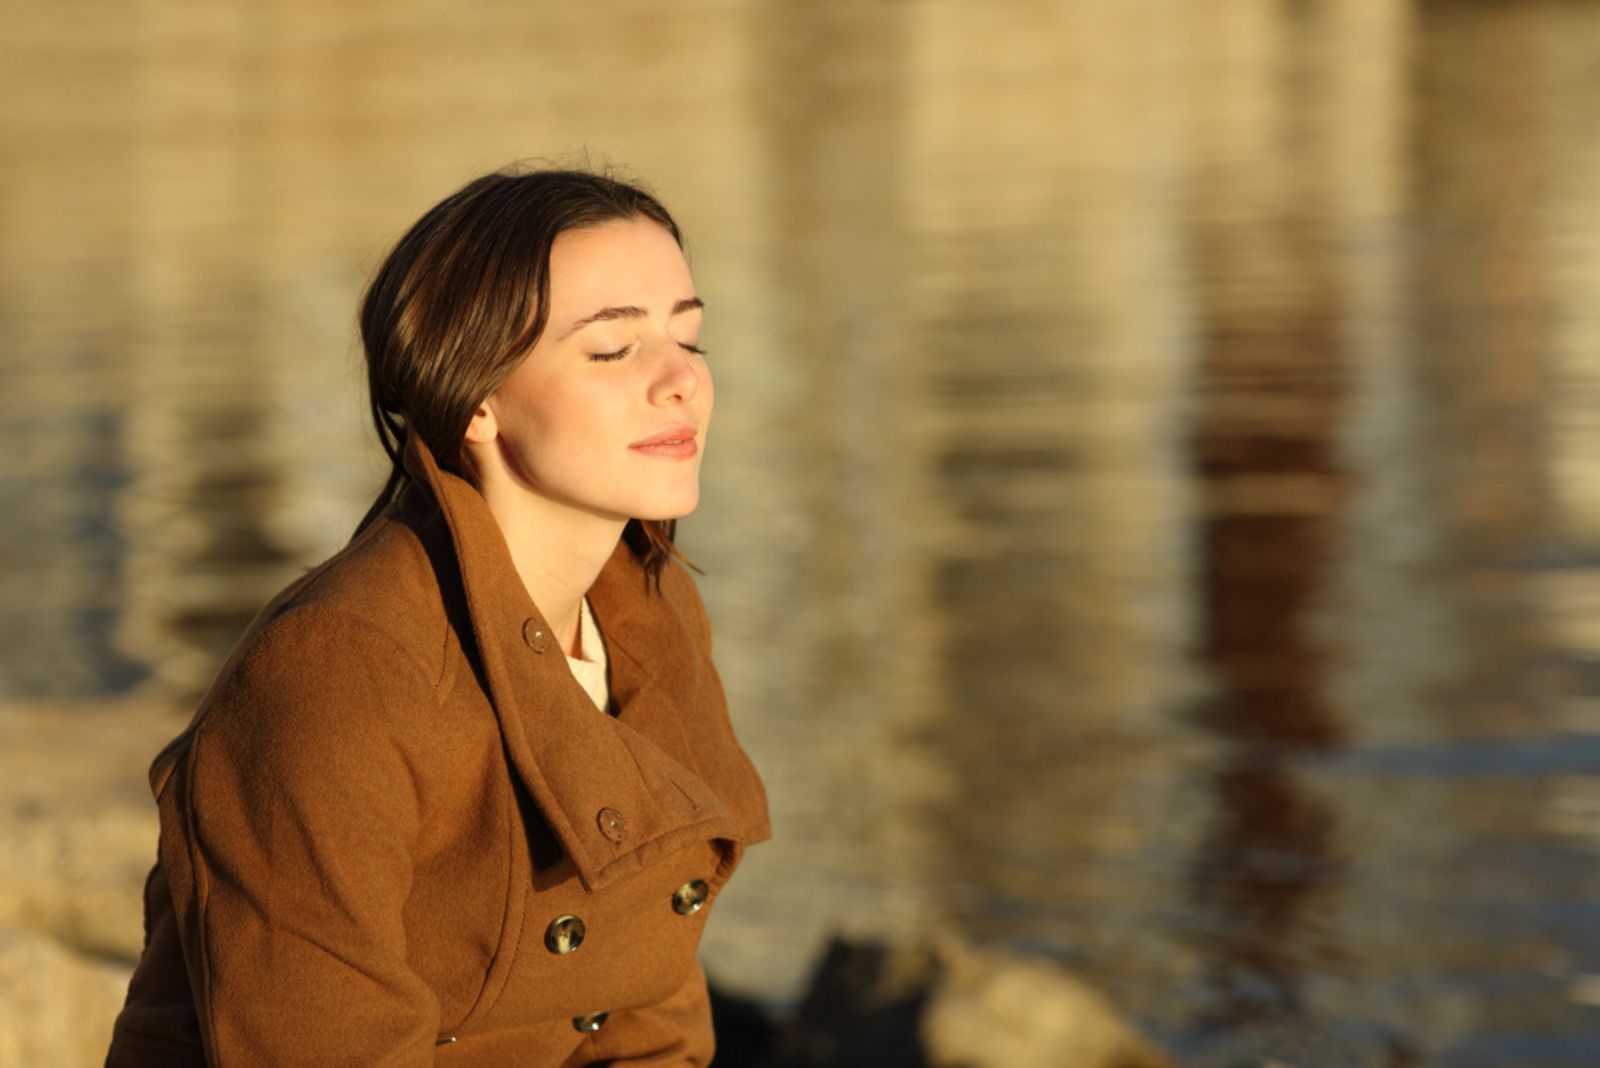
(447, 1040)
(589, 1023)
(612, 825)
(689, 897)
(535, 635)
(564, 935)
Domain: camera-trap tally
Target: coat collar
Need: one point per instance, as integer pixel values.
(616, 791)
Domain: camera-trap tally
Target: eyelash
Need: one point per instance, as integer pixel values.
(604, 357)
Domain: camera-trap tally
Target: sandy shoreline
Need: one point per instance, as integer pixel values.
(80, 836)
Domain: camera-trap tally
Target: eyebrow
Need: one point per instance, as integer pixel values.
(629, 311)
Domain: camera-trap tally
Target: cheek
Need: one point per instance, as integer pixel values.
(708, 392)
(545, 410)
(578, 424)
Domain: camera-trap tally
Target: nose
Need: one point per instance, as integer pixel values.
(676, 376)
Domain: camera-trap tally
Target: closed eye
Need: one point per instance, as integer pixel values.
(617, 355)
(696, 349)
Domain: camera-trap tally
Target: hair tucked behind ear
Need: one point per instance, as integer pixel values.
(460, 301)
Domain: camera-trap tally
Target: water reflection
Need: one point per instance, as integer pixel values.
(1150, 518)
(1270, 406)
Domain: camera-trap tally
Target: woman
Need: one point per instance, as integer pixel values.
(463, 793)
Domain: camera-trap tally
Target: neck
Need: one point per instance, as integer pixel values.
(558, 551)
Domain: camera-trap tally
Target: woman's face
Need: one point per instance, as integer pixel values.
(607, 414)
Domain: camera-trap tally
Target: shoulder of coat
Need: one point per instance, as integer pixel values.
(384, 582)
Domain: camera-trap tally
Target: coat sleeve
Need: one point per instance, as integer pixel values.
(674, 1033)
(288, 830)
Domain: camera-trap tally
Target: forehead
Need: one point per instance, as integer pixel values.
(620, 261)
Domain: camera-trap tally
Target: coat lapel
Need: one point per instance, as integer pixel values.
(616, 792)
(666, 685)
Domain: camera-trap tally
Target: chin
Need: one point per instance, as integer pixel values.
(671, 509)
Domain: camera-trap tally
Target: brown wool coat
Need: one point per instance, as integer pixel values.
(396, 785)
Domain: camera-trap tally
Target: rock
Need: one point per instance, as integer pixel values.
(864, 1007)
(1025, 1012)
(80, 837)
(955, 1006)
(57, 1005)
(78, 877)
(81, 826)
(745, 1030)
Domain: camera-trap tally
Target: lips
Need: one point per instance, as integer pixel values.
(673, 443)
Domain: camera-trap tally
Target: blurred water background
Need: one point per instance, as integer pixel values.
(1151, 517)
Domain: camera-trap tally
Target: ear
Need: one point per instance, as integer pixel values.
(484, 427)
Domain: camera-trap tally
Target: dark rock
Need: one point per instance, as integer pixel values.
(863, 1008)
(745, 1031)
(953, 1006)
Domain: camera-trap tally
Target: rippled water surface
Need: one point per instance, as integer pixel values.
(1152, 517)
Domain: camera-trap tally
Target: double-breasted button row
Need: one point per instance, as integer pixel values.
(566, 932)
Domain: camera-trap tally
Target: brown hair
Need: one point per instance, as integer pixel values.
(464, 296)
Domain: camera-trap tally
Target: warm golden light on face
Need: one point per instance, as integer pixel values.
(607, 414)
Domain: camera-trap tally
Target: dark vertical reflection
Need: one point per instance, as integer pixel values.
(99, 544)
(1270, 398)
(62, 548)
(231, 491)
